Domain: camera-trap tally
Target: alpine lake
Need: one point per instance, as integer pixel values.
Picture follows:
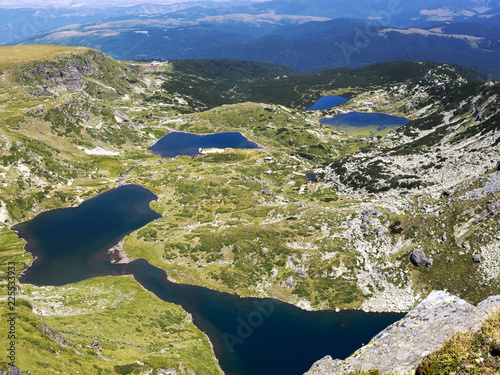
(357, 123)
(365, 124)
(178, 143)
(250, 336)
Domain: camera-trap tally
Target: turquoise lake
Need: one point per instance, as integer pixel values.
(251, 336)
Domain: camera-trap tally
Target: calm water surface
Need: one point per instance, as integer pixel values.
(251, 336)
(360, 120)
(327, 102)
(176, 143)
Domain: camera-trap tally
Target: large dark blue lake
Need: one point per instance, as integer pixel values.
(177, 143)
(327, 102)
(365, 123)
(251, 336)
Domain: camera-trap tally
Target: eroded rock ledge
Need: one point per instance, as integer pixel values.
(401, 347)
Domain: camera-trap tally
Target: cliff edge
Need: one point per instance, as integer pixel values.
(403, 345)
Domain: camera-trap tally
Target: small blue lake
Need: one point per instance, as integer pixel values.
(327, 102)
(251, 336)
(364, 123)
(178, 143)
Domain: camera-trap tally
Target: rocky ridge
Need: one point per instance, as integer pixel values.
(401, 347)
(455, 139)
(74, 72)
(442, 164)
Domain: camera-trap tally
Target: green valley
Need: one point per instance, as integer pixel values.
(75, 123)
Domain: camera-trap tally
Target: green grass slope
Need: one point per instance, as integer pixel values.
(328, 222)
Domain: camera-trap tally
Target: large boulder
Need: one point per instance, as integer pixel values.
(417, 258)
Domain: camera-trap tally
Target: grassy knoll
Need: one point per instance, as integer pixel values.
(235, 221)
(137, 331)
(14, 55)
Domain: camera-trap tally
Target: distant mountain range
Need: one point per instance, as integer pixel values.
(302, 34)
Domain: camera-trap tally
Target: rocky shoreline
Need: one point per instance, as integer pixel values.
(401, 347)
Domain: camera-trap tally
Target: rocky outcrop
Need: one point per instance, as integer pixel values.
(79, 70)
(53, 334)
(96, 345)
(13, 370)
(55, 80)
(401, 347)
(492, 209)
(167, 371)
(123, 119)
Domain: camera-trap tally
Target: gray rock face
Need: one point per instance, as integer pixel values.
(123, 119)
(291, 263)
(492, 209)
(401, 347)
(167, 371)
(55, 79)
(12, 370)
(71, 78)
(476, 258)
(53, 334)
(301, 273)
(417, 258)
(371, 212)
(289, 283)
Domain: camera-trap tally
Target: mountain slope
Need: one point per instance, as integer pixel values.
(62, 131)
(207, 83)
(316, 217)
(58, 102)
(333, 43)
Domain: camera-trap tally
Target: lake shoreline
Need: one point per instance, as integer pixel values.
(117, 255)
(368, 124)
(166, 147)
(68, 251)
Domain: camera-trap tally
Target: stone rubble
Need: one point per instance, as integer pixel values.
(489, 259)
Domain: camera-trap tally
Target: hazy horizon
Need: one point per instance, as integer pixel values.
(105, 3)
